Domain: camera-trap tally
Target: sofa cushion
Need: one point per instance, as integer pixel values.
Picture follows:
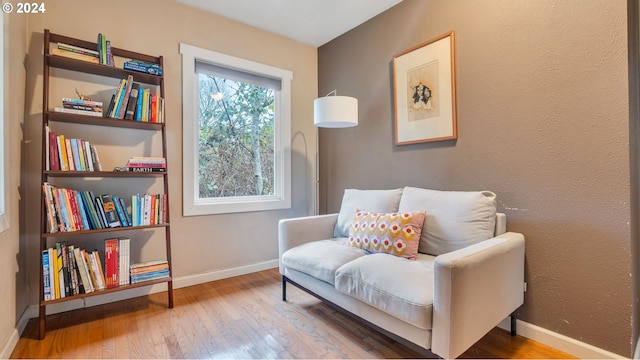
(400, 287)
(455, 219)
(391, 233)
(322, 258)
(384, 201)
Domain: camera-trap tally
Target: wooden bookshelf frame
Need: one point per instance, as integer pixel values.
(48, 116)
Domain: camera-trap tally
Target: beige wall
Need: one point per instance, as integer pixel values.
(542, 96)
(14, 297)
(202, 245)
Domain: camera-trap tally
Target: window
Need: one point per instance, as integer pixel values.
(236, 134)
(4, 221)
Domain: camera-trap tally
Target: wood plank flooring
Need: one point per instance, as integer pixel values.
(237, 318)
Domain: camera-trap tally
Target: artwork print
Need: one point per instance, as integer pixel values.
(425, 92)
(422, 101)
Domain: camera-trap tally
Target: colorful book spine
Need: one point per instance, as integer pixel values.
(46, 278)
(111, 258)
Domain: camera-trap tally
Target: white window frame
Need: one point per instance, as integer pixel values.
(192, 204)
(4, 151)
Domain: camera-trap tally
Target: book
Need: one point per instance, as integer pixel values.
(82, 102)
(144, 67)
(120, 211)
(122, 105)
(69, 151)
(117, 99)
(110, 211)
(125, 210)
(124, 261)
(111, 259)
(133, 102)
(77, 49)
(96, 160)
(46, 280)
(83, 271)
(62, 153)
(96, 271)
(60, 272)
(148, 169)
(52, 268)
(74, 55)
(78, 112)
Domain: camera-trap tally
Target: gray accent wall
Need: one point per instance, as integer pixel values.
(543, 121)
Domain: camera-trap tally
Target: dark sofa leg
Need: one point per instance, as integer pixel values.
(513, 323)
(284, 288)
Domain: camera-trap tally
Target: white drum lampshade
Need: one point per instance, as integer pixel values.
(335, 112)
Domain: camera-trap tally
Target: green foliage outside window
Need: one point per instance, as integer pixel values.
(236, 138)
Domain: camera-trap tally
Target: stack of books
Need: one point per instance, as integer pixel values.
(80, 107)
(104, 51)
(143, 66)
(147, 164)
(152, 270)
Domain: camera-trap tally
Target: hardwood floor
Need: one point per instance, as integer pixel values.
(241, 317)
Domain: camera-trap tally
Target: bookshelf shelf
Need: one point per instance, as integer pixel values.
(87, 174)
(57, 206)
(111, 290)
(101, 121)
(106, 230)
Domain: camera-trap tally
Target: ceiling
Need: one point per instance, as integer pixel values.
(313, 22)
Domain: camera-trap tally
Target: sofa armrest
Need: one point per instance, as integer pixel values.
(297, 231)
(476, 288)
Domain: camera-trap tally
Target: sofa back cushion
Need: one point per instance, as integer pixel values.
(455, 219)
(383, 201)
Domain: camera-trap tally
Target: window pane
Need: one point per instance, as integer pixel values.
(236, 138)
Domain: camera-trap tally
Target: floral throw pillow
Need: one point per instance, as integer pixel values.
(392, 233)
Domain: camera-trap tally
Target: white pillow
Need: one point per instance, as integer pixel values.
(383, 201)
(455, 219)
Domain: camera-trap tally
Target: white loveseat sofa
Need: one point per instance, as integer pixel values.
(467, 275)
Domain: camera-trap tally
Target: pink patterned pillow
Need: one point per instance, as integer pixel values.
(393, 233)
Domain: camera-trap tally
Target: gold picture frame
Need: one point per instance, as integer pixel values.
(424, 82)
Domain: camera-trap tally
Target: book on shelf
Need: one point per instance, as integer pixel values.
(69, 270)
(76, 49)
(124, 260)
(72, 210)
(148, 209)
(65, 154)
(132, 102)
(105, 56)
(151, 270)
(45, 275)
(143, 67)
(78, 104)
(78, 112)
(74, 55)
(111, 257)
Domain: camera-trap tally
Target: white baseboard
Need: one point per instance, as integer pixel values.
(561, 342)
(15, 336)
(223, 274)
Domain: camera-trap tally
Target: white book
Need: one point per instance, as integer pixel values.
(79, 112)
(82, 269)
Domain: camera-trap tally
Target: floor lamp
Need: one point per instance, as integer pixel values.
(331, 112)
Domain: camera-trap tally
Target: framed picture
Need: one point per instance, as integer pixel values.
(424, 84)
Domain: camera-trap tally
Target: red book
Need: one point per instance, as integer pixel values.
(111, 256)
(54, 158)
(154, 108)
